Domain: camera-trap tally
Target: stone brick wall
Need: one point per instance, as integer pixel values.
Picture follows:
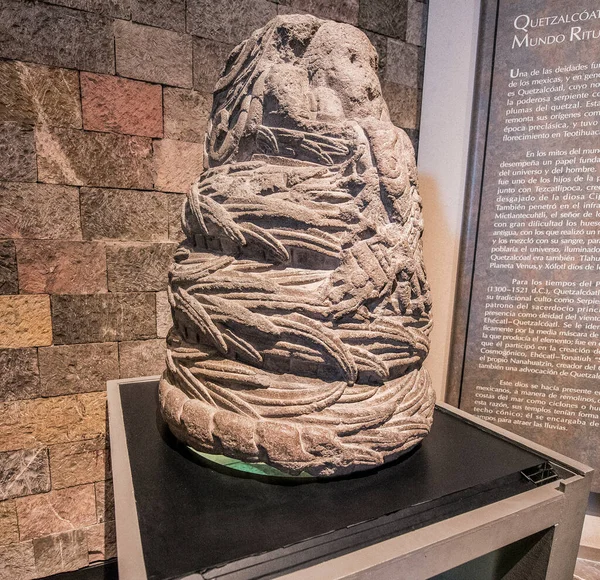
(103, 106)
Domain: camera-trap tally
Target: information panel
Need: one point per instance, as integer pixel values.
(532, 351)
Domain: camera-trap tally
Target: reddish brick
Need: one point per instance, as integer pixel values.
(25, 321)
(36, 210)
(65, 156)
(186, 114)
(60, 510)
(152, 54)
(51, 267)
(142, 358)
(121, 105)
(176, 165)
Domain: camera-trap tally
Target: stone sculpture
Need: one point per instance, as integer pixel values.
(300, 304)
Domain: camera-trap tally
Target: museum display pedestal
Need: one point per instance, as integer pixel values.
(470, 497)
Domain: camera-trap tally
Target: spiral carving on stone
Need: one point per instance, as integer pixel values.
(300, 303)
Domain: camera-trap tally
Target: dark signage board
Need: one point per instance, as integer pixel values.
(526, 348)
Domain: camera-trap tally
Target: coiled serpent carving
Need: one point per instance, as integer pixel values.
(300, 303)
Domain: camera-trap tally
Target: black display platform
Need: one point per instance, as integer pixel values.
(195, 519)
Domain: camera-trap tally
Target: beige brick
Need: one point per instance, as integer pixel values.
(164, 320)
(61, 552)
(186, 114)
(175, 208)
(142, 358)
(25, 321)
(105, 501)
(36, 94)
(39, 211)
(80, 462)
(176, 165)
(9, 528)
(210, 57)
(152, 54)
(17, 562)
(58, 511)
(102, 542)
(53, 267)
(160, 13)
(118, 160)
(28, 424)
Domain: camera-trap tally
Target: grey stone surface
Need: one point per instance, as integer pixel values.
(341, 11)
(301, 309)
(17, 152)
(416, 27)
(403, 65)
(20, 374)
(142, 358)
(186, 114)
(210, 57)
(112, 8)
(24, 472)
(152, 54)
(387, 17)
(229, 21)
(168, 14)
(9, 280)
(404, 104)
(103, 317)
(56, 36)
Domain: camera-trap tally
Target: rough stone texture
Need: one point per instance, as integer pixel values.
(38, 94)
(103, 318)
(17, 562)
(39, 211)
(27, 424)
(161, 13)
(152, 54)
(105, 501)
(58, 511)
(77, 368)
(416, 28)
(80, 462)
(403, 104)
(176, 203)
(9, 527)
(20, 374)
(342, 11)
(17, 152)
(403, 64)
(61, 552)
(24, 472)
(176, 164)
(56, 36)
(210, 57)
(25, 321)
(138, 266)
(186, 114)
(102, 541)
(387, 17)
(114, 214)
(119, 160)
(301, 308)
(142, 358)
(164, 321)
(54, 267)
(380, 44)
(9, 280)
(121, 105)
(228, 20)
(114, 8)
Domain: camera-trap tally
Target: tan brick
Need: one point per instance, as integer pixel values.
(186, 114)
(17, 562)
(9, 528)
(54, 267)
(80, 462)
(416, 28)
(210, 57)
(40, 211)
(102, 542)
(404, 104)
(388, 17)
(341, 11)
(25, 321)
(24, 472)
(36, 94)
(121, 105)
(139, 266)
(176, 165)
(58, 511)
(27, 424)
(103, 317)
(175, 208)
(160, 13)
(403, 63)
(154, 55)
(118, 160)
(77, 368)
(20, 374)
(17, 152)
(164, 320)
(61, 552)
(105, 501)
(116, 214)
(142, 358)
